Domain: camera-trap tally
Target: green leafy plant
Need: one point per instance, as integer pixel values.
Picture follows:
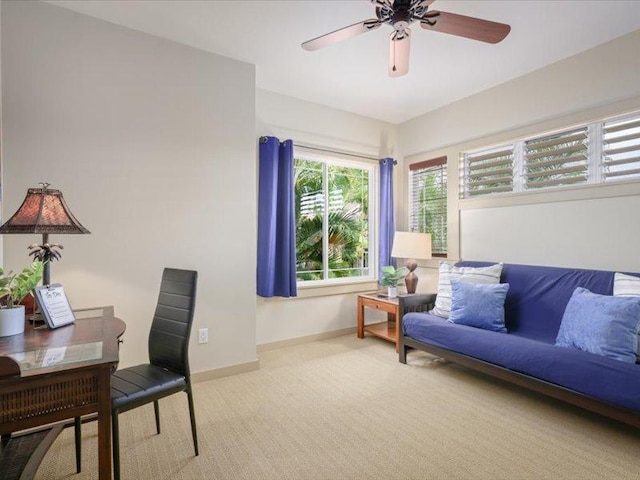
(391, 275)
(15, 286)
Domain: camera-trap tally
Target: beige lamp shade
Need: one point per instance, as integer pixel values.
(411, 245)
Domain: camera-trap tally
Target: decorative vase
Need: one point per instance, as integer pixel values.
(392, 292)
(11, 321)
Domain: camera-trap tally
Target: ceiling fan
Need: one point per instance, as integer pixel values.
(400, 14)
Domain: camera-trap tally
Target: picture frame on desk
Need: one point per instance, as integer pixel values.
(54, 305)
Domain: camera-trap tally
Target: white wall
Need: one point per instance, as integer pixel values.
(578, 227)
(595, 233)
(599, 76)
(312, 124)
(153, 145)
(318, 125)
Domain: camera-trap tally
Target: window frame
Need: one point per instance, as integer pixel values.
(327, 159)
(442, 163)
(595, 161)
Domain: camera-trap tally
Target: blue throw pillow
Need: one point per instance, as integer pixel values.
(601, 324)
(478, 305)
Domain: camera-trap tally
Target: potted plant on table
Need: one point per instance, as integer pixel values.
(391, 276)
(13, 288)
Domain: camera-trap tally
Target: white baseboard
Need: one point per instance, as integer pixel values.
(255, 365)
(264, 347)
(225, 371)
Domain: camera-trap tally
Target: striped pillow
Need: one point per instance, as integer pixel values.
(627, 286)
(490, 274)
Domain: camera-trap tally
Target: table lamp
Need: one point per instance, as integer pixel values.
(44, 211)
(412, 246)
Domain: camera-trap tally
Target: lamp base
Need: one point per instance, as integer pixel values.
(411, 280)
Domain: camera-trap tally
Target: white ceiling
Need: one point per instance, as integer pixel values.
(352, 75)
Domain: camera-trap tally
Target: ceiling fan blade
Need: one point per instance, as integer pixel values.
(342, 34)
(382, 3)
(468, 27)
(421, 3)
(399, 53)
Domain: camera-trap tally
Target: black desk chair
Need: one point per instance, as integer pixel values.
(168, 370)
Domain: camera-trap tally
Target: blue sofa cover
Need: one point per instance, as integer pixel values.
(534, 307)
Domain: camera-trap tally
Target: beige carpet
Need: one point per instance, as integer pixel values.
(346, 409)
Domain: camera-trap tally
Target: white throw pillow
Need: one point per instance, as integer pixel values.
(490, 274)
(627, 286)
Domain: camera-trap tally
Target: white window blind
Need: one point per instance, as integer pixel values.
(428, 201)
(558, 159)
(604, 151)
(621, 149)
(488, 171)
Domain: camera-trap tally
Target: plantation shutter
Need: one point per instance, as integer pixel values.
(558, 159)
(488, 171)
(428, 198)
(621, 149)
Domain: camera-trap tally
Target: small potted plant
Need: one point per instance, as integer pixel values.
(13, 288)
(391, 276)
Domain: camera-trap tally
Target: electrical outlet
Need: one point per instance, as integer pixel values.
(203, 335)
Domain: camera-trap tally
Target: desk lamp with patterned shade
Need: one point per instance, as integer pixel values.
(44, 211)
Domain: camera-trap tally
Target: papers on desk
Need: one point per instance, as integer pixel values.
(54, 305)
(53, 356)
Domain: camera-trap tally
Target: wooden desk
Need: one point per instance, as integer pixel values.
(387, 330)
(59, 374)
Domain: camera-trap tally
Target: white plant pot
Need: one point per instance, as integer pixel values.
(392, 292)
(11, 321)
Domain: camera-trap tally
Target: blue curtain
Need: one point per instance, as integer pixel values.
(276, 220)
(387, 219)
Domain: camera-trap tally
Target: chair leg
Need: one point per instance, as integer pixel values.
(156, 409)
(192, 415)
(115, 434)
(77, 427)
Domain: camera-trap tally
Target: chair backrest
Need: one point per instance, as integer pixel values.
(172, 321)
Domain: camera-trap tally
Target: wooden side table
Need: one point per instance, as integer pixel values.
(387, 330)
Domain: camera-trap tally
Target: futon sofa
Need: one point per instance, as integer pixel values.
(527, 354)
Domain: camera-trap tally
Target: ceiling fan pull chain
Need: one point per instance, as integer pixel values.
(395, 34)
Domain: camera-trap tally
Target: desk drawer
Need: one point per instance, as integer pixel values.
(379, 305)
(41, 399)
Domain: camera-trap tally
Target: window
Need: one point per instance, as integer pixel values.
(559, 159)
(489, 171)
(591, 154)
(621, 149)
(333, 199)
(428, 201)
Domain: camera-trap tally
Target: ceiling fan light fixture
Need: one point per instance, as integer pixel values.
(399, 47)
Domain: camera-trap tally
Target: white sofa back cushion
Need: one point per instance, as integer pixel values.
(627, 286)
